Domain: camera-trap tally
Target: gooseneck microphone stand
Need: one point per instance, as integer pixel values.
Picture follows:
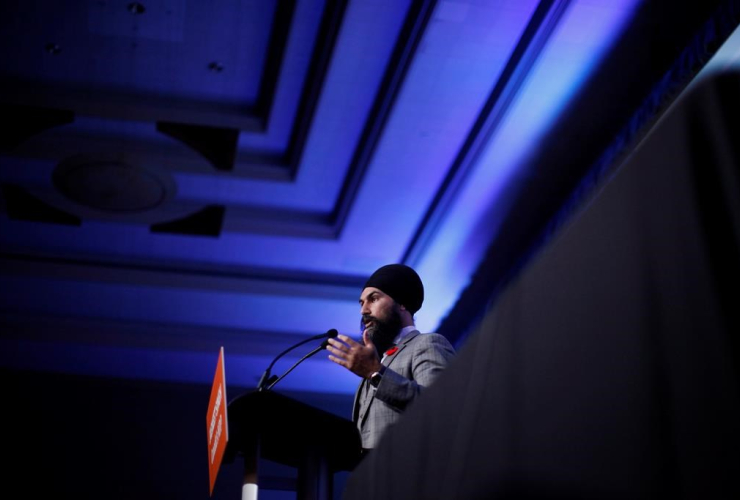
(266, 381)
(272, 382)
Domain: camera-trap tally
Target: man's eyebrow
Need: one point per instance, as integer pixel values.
(368, 296)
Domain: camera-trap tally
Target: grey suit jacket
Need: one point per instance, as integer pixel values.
(420, 358)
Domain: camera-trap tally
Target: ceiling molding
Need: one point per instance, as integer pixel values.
(282, 282)
(331, 23)
(412, 32)
(127, 105)
(288, 161)
(279, 34)
(545, 19)
(216, 144)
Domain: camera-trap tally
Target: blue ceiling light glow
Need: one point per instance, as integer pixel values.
(443, 90)
(238, 309)
(583, 36)
(316, 374)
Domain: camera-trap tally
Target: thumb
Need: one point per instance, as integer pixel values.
(366, 339)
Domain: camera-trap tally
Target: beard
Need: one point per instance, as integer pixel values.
(384, 331)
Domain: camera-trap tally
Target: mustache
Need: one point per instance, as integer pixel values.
(367, 318)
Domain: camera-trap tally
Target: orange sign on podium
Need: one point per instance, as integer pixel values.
(216, 421)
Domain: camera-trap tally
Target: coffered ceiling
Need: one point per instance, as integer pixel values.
(180, 175)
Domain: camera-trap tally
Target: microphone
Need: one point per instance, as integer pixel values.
(266, 382)
(319, 348)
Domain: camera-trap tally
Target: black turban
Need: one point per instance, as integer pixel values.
(401, 283)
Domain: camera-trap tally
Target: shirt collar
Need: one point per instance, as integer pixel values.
(403, 334)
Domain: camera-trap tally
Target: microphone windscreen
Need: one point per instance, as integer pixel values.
(332, 334)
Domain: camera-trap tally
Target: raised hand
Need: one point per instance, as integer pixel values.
(359, 358)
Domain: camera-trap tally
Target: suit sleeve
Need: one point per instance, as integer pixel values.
(430, 356)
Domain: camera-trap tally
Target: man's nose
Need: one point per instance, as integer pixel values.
(364, 309)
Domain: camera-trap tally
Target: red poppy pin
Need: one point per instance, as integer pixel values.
(391, 351)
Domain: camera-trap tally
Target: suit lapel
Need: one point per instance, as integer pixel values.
(408, 338)
(386, 361)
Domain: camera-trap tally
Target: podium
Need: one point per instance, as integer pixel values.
(278, 428)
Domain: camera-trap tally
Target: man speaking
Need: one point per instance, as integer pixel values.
(394, 359)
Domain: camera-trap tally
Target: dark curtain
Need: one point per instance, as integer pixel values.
(609, 368)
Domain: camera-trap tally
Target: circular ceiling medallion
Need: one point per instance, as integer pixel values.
(112, 185)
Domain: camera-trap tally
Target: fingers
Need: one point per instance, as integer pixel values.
(338, 356)
(352, 355)
(335, 345)
(338, 361)
(347, 340)
(341, 353)
(337, 353)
